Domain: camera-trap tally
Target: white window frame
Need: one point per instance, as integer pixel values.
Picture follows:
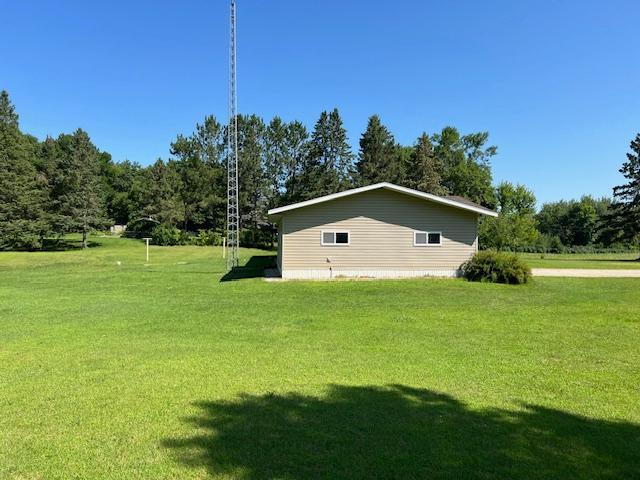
(334, 244)
(415, 244)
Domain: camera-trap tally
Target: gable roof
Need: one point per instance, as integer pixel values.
(451, 201)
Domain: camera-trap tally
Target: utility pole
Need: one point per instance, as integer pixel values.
(233, 207)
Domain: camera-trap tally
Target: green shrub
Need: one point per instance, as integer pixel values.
(261, 238)
(207, 238)
(496, 267)
(166, 235)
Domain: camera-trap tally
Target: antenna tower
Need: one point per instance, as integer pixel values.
(233, 210)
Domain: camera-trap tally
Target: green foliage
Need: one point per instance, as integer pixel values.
(66, 184)
(199, 176)
(167, 235)
(328, 163)
(496, 267)
(79, 198)
(426, 171)
(262, 238)
(206, 238)
(155, 194)
(465, 162)
(8, 115)
(297, 145)
(574, 222)
(515, 227)
(253, 181)
(623, 222)
(118, 179)
(378, 160)
(23, 221)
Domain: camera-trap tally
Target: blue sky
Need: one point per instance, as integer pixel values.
(556, 84)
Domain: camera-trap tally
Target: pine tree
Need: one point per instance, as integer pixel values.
(276, 153)
(253, 182)
(340, 157)
(22, 218)
(209, 141)
(378, 160)
(297, 145)
(8, 115)
(425, 173)
(625, 210)
(156, 195)
(328, 165)
(81, 205)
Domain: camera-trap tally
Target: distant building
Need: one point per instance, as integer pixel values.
(380, 230)
(117, 229)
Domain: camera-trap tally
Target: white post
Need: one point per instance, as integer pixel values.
(224, 247)
(147, 240)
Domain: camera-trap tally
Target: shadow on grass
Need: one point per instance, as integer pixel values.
(63, 245)
(401, 432)
(254, 268)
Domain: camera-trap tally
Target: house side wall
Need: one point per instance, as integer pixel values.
(381, 225)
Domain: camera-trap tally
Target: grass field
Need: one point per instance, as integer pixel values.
(130, 371)
(616, 261)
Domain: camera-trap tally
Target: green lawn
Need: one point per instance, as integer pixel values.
(124, 370)
(618, 261)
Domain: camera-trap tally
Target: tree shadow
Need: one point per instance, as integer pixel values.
(63, 245)
(401, 432)
(254, 268)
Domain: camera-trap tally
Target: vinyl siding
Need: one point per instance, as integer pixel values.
(280, 231)
(381, 225)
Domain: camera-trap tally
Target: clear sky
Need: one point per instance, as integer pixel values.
(557, 84)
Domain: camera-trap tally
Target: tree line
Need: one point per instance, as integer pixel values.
(66, 184)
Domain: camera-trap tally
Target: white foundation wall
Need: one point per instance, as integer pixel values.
(328, 274)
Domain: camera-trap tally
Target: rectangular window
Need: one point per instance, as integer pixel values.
(334, 238)
(427, 239)
(434, 238)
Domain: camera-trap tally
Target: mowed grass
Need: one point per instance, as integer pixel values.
(163, 371)
(615, 261)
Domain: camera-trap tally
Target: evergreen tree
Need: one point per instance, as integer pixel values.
(340, 157)
(378, 160)
(193, 186)
(8, 115)
(80, 204)
(328, 165)
(209, 141)
(199, 162)
(297, 145)
(253, 182)
(155, 194)
(276, 157)
(425, 173)
(22, 218)
(404, 162)
(625, 210)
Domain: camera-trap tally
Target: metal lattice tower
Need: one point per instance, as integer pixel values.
(233, 210)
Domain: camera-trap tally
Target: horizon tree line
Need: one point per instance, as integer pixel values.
(66, 184)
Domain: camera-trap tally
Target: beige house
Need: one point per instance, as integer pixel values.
(380, 230)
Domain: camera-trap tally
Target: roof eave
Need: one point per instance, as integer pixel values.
(415, 193)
